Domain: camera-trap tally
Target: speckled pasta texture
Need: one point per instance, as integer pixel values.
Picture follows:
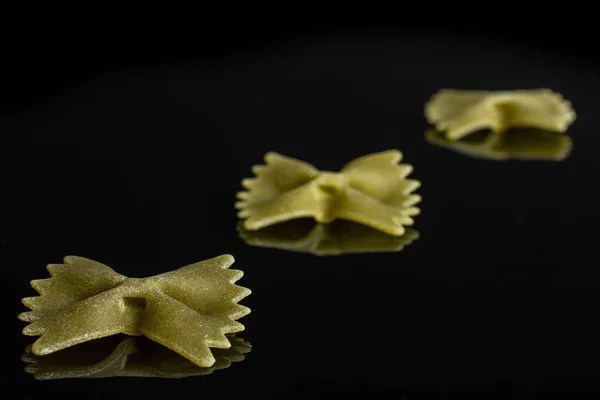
(189, 310)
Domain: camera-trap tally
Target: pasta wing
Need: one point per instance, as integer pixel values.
(77, 279)
(279, 176)
(95, 317)
(300, 202)
(358, 207)
(186, 331)
(460, 113)
(381, 177)
(76, 296)
(209, 288)
(541, 108)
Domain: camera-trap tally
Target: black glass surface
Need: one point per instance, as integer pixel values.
(138, 166)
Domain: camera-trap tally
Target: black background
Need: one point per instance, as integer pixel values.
(133, 158)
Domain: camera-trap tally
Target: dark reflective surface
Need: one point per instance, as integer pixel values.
(133, 356)
(139, 168)
(518, 144)
(336, 238)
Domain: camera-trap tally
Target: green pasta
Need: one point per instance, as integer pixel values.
(189, 310)
(458, 113)
(371, 190)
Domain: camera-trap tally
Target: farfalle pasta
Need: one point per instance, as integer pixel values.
(189, 310)
(459, 113)
(372, 190)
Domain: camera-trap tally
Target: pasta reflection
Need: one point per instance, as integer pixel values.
(338, 237)
(518, 143)
(118, 356)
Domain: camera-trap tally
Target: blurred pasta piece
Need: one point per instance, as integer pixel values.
(458, 113)
(189, 310)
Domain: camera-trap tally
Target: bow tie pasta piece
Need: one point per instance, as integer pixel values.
(372, 190)
(459, 113)
(189, 310)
